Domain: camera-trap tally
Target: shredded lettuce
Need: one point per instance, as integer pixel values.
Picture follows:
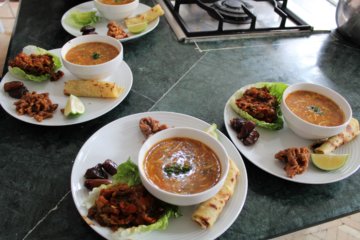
(128, 172)
(31, 49)
(79, 19)
(276, 89)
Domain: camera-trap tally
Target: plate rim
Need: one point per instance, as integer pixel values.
(28, 119)
(245, 153)
(132, 37)
(240, 164)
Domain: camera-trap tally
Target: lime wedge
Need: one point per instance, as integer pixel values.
(74, 106)
(329, 162)
(137, 27)
(212, 131)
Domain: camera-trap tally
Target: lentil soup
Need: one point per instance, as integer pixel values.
(182, 165)
(91, 53)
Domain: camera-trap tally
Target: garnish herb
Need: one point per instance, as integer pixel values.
(95, 55)
(176, 169)
(315, 109)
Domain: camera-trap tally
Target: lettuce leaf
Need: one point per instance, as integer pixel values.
(160, 224)
(31, 49)
(79, 19)
(276, 89)
(128, 172)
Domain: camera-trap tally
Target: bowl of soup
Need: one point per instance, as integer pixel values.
(116, 9)
(183, 166)
(313, 111)
(92, 56)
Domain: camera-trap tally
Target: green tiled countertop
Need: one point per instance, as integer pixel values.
(195, 79)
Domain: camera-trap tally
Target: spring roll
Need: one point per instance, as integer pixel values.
(351, 131)
(207, 212)
(92, 88)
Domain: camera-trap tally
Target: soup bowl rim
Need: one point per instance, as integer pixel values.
(119, 6)
(178, 198)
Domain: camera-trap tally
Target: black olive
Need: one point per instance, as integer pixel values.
(246, 129)
(251, 139)
(95, 173)
(88, 30)
(110, 167)
(88, 33)
(237, 123)
(92, 183)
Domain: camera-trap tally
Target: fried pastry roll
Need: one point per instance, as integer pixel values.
(351, 131)
(92, 88)
(207, 212)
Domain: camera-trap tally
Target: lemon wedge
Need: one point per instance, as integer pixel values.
(329, 162)
(74, 107)
(212, 131)
(137, 27)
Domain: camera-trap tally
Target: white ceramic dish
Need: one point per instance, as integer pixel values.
(308, 130)
(94, 107)
(183, 199)
(116, 12)
(122, 139)
(98, 71)
(270, 142)
(101, 26)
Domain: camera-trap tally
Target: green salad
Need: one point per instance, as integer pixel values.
(79, 19)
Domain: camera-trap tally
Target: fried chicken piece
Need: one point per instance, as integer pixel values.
(36, 105)
(115, 31)
(149, 126)
(296, 160)
(259, 103)
(36, 65)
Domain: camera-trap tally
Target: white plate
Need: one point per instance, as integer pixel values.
(122, 139)
(101, 26)
(94, 107)
(270, 142)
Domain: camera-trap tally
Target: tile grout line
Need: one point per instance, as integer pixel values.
(197, 47)
(46, 215)
(143, 95)
(176, 83)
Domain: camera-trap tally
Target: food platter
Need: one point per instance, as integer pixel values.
(270, 142)
(101, 26)
(122, 139)
(95, 107)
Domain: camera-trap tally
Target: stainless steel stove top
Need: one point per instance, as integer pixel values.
(312, 17)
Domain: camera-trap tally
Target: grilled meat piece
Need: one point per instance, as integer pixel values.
(149, 126)
(259, 103)
(115, 31)
(36, 65)
(296, 160)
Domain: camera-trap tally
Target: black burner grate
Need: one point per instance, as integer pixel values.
(279, 7)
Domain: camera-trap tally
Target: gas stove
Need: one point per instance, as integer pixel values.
(205, 20)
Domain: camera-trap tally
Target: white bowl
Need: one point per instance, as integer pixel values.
(183, 199)
(308, 130)
(116, 12)
(98, 71)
